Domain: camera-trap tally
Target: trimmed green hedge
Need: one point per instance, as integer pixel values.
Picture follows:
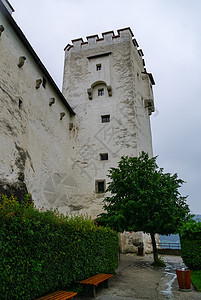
(190, 237)
(43, 251)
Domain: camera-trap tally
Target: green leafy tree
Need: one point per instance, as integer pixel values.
(144, 198)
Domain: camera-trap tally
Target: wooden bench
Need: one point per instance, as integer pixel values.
(59, 295)
(95, 280)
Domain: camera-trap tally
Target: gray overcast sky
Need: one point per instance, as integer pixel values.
(169, 33)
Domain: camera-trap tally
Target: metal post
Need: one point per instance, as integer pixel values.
(94, 292)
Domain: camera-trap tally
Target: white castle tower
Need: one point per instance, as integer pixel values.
(108, 87)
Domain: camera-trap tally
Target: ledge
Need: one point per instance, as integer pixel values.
(99, 55)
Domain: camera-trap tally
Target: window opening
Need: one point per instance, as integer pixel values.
(105, 118)
(103, 156)
(100, 186)
(20, 103)
(44, 82)
(98, 67)
(100, 92)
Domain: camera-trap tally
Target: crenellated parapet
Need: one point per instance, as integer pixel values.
(108, 38)
(98, 50)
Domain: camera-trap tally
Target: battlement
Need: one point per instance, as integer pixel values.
(108, 38)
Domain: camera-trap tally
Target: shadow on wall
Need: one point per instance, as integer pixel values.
(17, 189)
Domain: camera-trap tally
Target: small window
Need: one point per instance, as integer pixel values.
(20, 103)
(105, 118)
(44, 82)
(98, 67)
(100, 186)
(100, 92)
(103, 156)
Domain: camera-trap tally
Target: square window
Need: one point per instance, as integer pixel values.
(105, 118)
(100, 92)
(103, 156)
(98, 67)
(100, 186)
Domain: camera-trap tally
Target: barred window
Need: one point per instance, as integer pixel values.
(105, 118)
(100, 92)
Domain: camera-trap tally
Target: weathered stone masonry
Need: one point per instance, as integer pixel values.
(61, 151)
(106, 83)
(34, 118)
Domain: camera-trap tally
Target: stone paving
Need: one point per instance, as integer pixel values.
(137, 279)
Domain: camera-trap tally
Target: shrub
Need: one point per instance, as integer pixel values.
(43, 251)
(159, 263)
(190, 237)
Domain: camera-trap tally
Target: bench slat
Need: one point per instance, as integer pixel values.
(95, 280)
(59, 295)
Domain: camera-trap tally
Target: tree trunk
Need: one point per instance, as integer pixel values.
(155, 254)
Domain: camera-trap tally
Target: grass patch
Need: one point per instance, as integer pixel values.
(196, 279)
(159, 263)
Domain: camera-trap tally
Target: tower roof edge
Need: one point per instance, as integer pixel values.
(125, 29)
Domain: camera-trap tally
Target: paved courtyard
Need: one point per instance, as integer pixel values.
(136, 279)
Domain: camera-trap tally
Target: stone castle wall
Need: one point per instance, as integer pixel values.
(129, 242)
(127, 88)
(49, 151)
(35, 142)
